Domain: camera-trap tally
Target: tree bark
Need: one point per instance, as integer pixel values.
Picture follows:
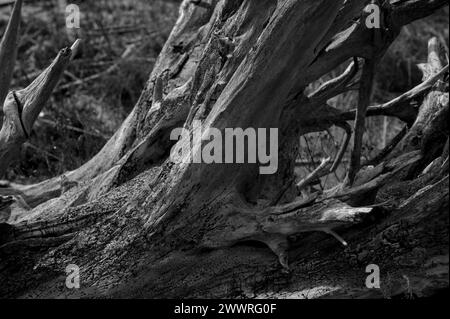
(139, 225)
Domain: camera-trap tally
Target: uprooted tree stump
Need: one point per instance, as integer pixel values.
(139, 225)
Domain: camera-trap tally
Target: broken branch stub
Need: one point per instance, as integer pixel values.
(22, 108)
(336, 85)
(34, 97)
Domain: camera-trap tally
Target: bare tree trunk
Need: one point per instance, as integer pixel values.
(139, 225)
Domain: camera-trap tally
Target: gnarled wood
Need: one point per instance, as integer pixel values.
(138, 224)
(21, 108)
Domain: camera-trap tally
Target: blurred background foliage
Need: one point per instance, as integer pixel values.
(121, 41)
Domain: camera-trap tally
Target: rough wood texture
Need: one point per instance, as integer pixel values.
(8, 51)
(139, 225)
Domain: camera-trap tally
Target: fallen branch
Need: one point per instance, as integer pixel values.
(365, 92)
(388, 149)
(22, 108)
(336, 85)
(274, 225)
(401, 107)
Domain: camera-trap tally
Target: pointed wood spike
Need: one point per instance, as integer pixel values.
(8, 52)
(75, 47)
(34, 97)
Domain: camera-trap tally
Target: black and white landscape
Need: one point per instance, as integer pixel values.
(234, 149)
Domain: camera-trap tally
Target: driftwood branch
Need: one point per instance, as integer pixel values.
(21, 108)
(365, 93)
(388, 149)
(336, 85)
(401, 107)
(229, 88)
(316, 174)
(8, 52)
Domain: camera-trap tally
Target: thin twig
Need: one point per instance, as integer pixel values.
(388, 149)
(336, 85)
(317, 173)
(341, 153)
